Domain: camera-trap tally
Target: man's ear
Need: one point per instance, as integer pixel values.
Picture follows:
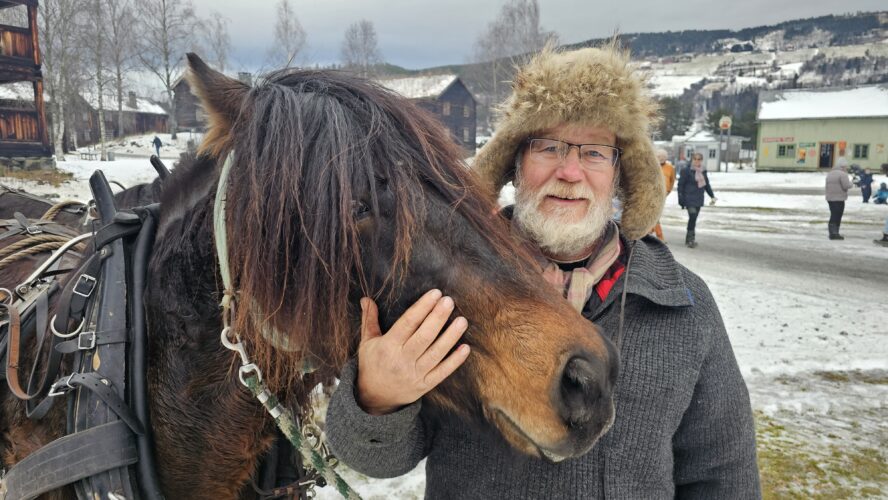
(222, 98)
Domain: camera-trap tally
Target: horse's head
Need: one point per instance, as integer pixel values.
(341, 189)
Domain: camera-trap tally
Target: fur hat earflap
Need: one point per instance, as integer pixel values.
(593, 87)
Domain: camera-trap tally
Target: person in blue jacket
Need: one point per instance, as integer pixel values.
(691, 185)
(881, 197)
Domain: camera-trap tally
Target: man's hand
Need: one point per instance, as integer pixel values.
(712, 201)
(399, 367)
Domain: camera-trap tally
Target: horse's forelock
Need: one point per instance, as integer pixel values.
(311, 140)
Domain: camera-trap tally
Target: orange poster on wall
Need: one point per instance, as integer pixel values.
(841, 145)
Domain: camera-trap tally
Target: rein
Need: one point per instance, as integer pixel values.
(320, 470)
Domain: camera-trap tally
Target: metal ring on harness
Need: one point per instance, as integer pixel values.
(65, 335)
(7, 299)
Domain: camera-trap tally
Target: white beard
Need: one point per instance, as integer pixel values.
(558, 232)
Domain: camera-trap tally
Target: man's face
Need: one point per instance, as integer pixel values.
(661, 157)
(697, 161)
(565, 206)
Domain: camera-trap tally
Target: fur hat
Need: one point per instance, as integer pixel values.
(594, 87)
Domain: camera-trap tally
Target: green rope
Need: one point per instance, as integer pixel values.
(311, 459)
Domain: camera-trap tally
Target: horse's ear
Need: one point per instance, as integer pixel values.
(222, 98)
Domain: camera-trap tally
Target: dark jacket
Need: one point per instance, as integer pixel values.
(683, 426)
(689, 195)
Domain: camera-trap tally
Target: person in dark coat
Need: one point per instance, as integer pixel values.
(691, 185)
(157, 144)
(866, 185)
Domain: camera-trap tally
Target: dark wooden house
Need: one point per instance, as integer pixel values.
(189, 113)
(445, 96)
(23, 130)
(140, 116)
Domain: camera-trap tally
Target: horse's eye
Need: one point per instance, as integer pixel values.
(360, 209)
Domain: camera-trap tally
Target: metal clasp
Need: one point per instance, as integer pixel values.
(33, 229)
(88, 281)
(61, 386)
(86, 341)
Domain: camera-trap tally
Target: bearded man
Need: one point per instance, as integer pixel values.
(574, 134)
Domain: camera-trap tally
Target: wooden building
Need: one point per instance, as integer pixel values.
(189, 113)
(445, 96)
(23, 130)
(140, 116)
(809, 129)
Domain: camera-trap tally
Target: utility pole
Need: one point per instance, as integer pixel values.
(724, 125)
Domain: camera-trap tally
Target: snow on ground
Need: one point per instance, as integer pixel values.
(141, 146)
(814, 352)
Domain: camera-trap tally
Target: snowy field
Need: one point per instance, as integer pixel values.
(812, 346)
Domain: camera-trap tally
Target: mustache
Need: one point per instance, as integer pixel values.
(564, 190)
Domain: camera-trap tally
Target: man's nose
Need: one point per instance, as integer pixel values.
(570, 169)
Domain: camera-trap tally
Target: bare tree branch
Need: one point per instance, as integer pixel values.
(360, 48)
(289, 36)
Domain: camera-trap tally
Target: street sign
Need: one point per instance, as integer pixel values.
(725, 122)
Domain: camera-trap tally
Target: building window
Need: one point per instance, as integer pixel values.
(861, 151)
(712, 153)
(446, 109)
(786, 151)
(465, 135)
(466, 112)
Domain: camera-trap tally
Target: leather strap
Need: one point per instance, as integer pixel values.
(89, 340)
(104, 390)
(69, 459)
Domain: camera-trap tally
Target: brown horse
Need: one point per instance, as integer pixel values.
(339, 189)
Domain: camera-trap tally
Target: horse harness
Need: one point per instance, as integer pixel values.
(107, 451)
(107, 443)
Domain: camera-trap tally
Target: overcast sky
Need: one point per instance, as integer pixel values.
(419, 33)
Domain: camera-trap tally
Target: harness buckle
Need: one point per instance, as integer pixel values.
(61, 386)
(33, 229)
(88, 282)
(86, 341)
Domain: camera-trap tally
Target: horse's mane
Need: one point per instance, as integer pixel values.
(305, 143)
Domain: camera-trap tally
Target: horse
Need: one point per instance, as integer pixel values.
(338, 189)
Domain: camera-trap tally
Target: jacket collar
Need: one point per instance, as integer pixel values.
(653, 274)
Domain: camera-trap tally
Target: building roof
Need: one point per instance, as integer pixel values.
(23, 91)
(418, 87)
(846, 102)
(109, 102)
(18, 91)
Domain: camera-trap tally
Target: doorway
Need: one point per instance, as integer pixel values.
(827, 150)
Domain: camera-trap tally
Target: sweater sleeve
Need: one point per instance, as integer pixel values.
(714, 446)
(845, 182)
(708, 187)
(378, 446)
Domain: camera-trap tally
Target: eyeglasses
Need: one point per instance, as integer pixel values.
(551, 152)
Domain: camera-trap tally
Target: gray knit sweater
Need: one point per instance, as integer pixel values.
(683, 425)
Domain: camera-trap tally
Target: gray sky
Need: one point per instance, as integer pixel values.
(421, 33)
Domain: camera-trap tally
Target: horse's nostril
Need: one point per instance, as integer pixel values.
(581, 389)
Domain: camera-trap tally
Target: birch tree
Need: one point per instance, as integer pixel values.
(60, 58)
(215, 38)
(167, 31)
(509, 41)
(360, 49)
(121, 47)
(289, 36)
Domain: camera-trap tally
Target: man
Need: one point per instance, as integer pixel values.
(157, 144)
(574, 132)
(837, 186)
(669, 179)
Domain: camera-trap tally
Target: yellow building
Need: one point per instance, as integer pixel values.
(808, 129)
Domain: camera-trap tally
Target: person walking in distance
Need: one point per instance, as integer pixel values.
(837, 186)
(157, 144)
(693, 182)
(669, 179)
(866, 184)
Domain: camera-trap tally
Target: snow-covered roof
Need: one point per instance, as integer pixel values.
(109, 102)
(419, 86)
(695, 136)
(18, 91)
(859, 102)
